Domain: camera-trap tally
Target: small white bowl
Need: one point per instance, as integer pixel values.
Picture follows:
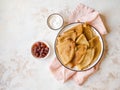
(55, 21)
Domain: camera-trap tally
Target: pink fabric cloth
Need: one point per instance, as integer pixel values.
(62, 74)
(82, 14)
(86, 14)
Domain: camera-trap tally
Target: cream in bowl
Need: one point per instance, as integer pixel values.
(55, 21)
(79, 46)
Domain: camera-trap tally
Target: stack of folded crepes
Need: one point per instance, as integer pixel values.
(78, 47)
(83, 14)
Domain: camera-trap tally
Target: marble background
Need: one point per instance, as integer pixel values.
(23, 22)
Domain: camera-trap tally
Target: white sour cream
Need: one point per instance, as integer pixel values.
(55, 21)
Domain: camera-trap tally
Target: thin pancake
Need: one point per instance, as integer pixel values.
(82, 40)
(87, 60)
(95, 43)
(70, 35)
(79, 54)
(70, 65)
(78, 29)
(87, 30)
(66, 51)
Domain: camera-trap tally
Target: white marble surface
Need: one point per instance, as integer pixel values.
(23, 22)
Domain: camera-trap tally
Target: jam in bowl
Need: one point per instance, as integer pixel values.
(40, 49)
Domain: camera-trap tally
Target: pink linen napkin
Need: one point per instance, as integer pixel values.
(82, 14)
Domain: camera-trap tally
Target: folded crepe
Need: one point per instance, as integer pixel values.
(94, 42)
(67, 35)
(79, 54)
(82, 40)
(66, 51)
(87, 31)
(87, 60)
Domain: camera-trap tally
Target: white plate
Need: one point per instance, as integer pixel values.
(95, 31)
